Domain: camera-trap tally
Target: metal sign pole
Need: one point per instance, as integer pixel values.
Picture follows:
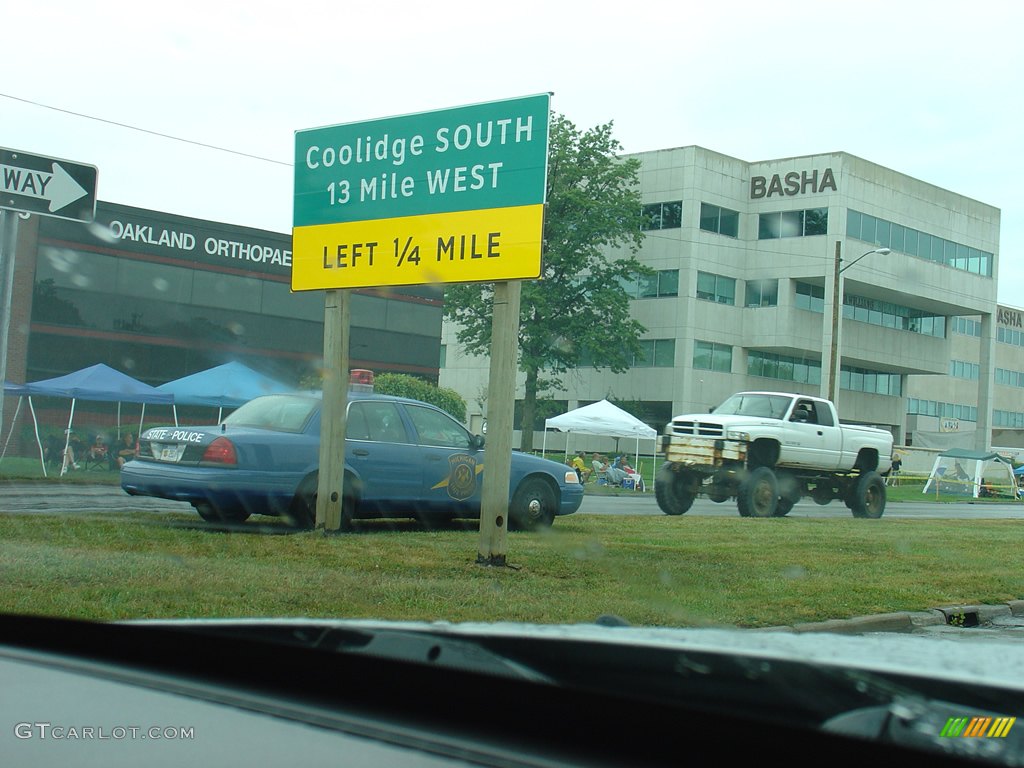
(8, 244)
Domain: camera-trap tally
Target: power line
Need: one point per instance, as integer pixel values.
(145, 130)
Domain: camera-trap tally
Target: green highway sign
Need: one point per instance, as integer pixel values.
(490, 155)
(452, 195)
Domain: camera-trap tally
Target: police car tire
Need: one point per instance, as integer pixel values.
(533, 505)
(212, 514)
(303, 507)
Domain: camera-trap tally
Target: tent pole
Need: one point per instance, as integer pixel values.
(544, 442)
(220, 413)
(175, 409)
(141, 419)
(35, 423)
(67, 441)
(10, 431)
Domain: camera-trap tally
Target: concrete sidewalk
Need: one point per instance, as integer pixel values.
(1006, 619)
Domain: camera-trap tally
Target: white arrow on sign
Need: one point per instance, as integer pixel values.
(58, 187)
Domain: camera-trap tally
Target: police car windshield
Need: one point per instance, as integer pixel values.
(285, 413)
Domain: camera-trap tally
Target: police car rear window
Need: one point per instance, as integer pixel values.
(283, 413)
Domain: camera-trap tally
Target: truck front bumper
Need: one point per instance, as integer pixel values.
(702, 451)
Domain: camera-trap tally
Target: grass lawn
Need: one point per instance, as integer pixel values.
(657, 570)
(16, 469)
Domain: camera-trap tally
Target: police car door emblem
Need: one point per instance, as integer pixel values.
(461, 476)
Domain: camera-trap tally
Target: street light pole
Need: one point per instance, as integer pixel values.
(837, 300)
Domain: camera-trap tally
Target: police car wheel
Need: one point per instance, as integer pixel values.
(212, 514)
(303, 507)
(533, 505)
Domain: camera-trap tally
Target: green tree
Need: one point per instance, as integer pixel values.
(578, 312)
(404, 385)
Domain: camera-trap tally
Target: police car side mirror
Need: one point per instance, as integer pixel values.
(476, 442)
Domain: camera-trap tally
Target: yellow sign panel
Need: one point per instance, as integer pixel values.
(460, 247)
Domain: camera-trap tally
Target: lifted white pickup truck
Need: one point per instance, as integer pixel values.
(769, 449)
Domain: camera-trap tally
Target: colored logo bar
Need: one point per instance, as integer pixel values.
(978, 727)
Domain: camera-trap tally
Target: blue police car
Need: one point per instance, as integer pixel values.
(403, 458)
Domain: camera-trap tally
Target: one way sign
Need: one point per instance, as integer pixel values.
(47, 185)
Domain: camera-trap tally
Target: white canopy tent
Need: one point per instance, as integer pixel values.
(605, 419)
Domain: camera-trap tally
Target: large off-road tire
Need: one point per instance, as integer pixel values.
(759, 494)
(867, 498)
(212, 514)
(675, 491)
(533, 505)
(791, 490)
(822, 494)
(722, 487)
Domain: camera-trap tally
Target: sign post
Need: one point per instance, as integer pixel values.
(43, 185)
(501, 388)
(448, 196)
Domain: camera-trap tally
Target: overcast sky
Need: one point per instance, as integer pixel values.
(931, 89)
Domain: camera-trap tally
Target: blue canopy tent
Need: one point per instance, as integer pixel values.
(21, 391)
(100, 383)
(225, 386)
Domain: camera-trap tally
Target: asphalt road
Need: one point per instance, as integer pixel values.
(79, 498)
(644, 504)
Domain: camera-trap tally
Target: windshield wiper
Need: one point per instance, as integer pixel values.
(414, 646)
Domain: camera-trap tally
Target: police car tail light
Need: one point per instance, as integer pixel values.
(220, 451)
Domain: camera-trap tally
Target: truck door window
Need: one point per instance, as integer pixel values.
(804, 412)
(824, 414)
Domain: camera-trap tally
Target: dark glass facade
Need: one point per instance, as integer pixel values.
(159, 296)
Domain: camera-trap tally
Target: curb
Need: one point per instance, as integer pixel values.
(907, 621)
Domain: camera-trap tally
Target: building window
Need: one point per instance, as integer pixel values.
(963, 370)
(1009, 378)
(716, 288)
(722, 221)
(886, 234)
(872, 382)
(939, 410)
(888, 315)
(444, 356)
(810, 297)
(1007, 419)
(656, 353)
(662, 215)
(773, 366)
(708, 356)
(658, 285)
(762, 293)
(966, 326)
(1010, 336)
(771, 226)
